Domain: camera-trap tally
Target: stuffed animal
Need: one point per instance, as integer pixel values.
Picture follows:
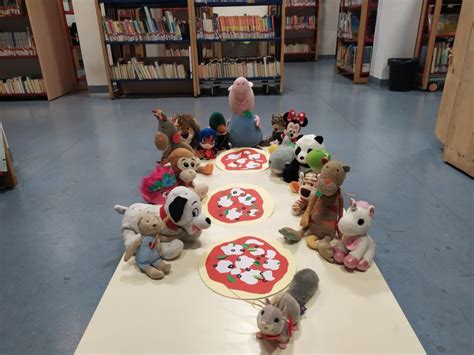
(356, 250)
(168, 139)
(187, 127)
(280, 317)
(206, 148)
(281, 157)
(294, 122)
(155, 187)
(306, 190)
(148, 248)
(315, 159)
(180, 218)
(217, 123)
(323, 212)
(278, 126)
(244, 126)
(303, 147)
(184, 164)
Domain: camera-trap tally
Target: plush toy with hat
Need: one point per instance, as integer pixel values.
(217, 123)
(319, 222)
(294, 122)
(206, 148)
(244, 126)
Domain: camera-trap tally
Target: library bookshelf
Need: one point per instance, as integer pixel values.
(355, 38)
(266, 65)
(302, 24)
(46, 71)
(138, 62)
(434, 42)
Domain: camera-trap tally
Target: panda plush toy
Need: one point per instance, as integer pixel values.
(303, 146)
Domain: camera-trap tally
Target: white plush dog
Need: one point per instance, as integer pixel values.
(180, 216)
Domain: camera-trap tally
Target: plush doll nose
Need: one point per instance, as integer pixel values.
(327, 181)
(185, 134)
(208, 220)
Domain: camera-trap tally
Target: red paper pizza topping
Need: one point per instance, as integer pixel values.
(235, 205)
(247, 264)
(244, 159)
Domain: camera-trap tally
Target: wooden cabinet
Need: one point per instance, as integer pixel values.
(455, 124)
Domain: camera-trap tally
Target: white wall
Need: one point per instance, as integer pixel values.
(395, 33)
(88, 29)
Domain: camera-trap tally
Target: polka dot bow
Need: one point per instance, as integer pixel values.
(298, 118)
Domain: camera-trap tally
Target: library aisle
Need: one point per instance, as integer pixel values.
(79, 155)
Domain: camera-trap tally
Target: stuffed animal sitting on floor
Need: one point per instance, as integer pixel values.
(281, 157)
(147, 249)
(278, 126)
(323, 212)
(244, 126)
(187, 127)
(356, 250)
(180, 218)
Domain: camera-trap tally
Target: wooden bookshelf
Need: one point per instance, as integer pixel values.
(273, 46)
(53, 62)
(115, 51)
(361, 43)
(305, 36)
(8, 178)
(431, 45)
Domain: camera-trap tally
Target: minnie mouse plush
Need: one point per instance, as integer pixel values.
(294, 123)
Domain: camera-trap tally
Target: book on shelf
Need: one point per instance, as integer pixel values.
(439, 62)
(235, 27)
(447, 23)
(177, 52)
(22, 85)
(17, 44)
(351, 2)
(348, 25)
(300, 3)
(346, 58)
(300, 22)
(298, 48)
(250, 67)
(134, 69)
(10, 7)
(207, 52)
(143, 26)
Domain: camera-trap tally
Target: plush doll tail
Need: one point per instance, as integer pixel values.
(304, 285)
(120, 209)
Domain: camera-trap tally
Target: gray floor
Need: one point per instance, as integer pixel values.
(77, 156)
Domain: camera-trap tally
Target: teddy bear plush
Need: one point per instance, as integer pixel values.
(278, 126)
(187, 127)
(147, 249)
(323, 212)
(184, 164)
(302, 148)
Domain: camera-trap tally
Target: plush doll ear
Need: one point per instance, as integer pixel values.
(230, 88)
(371, 210)
(283, 309)
(319, 139)
(305, 123)
(267, 300)
(353, 205)
(346, 168)
(250, 84)
(324, 160)
(176, 208)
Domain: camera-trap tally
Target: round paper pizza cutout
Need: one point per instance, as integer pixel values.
(238, 204)
(243, 160)
(248, 267)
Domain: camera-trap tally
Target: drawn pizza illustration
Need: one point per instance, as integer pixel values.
(236, 204)
(247, 264)
(243, 160)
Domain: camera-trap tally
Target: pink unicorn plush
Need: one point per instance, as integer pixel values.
(356, 250)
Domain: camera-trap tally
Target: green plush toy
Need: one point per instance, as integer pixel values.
(315, 159)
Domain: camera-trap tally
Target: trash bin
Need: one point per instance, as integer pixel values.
(402, 73)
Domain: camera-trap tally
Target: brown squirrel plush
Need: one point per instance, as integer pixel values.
(319, 222)
(187, 127)
(184, 164)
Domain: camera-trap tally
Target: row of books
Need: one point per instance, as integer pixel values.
(145, 28)
(346, 58)
(22, 85)
(299, 3)
(348, 25)
(439, 63)
(232, 68)
(351, 2)
(134, 69)
(177, 52)
(300, 22)
(235, 27)
(10, 7)
(298, 48)
(17, 43)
